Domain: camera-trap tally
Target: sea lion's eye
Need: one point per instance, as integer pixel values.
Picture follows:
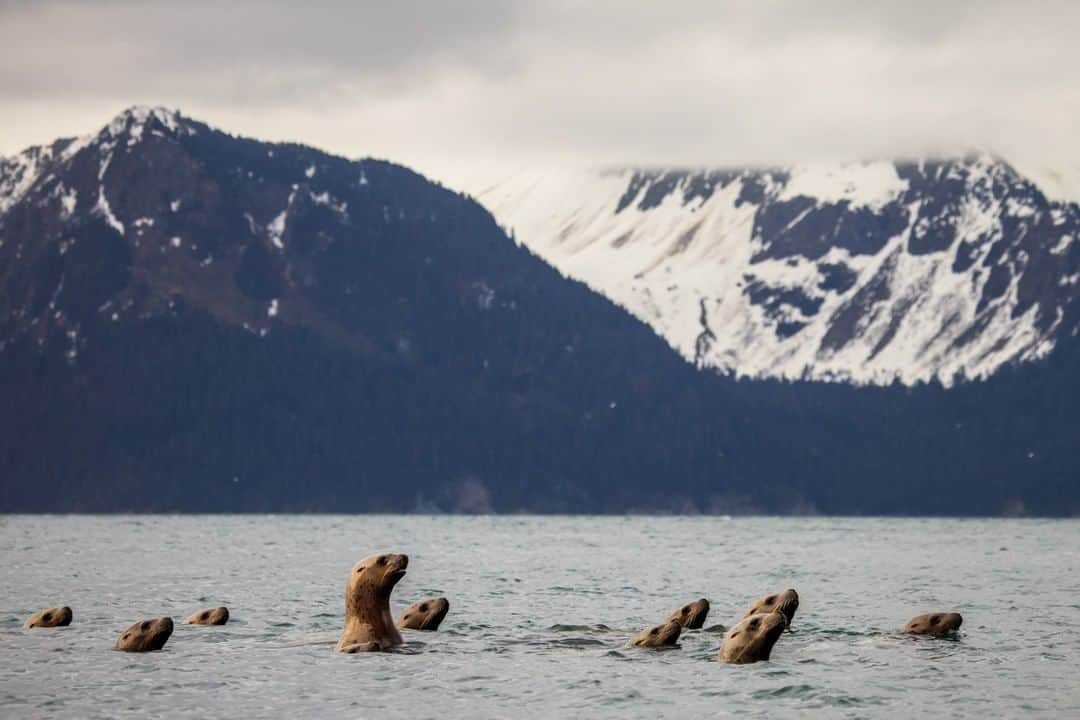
(47, 617)
(935, 620)
(382, 560)
(686, 609)
(204, 616)
(770, 600)
(145, 626)
(423, 608)
(653, 631)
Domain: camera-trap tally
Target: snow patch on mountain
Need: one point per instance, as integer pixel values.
(872, 185)
(105, 211)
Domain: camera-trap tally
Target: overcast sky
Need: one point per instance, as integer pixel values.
(468, 90)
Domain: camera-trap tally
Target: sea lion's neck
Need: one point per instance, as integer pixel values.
(367, 606)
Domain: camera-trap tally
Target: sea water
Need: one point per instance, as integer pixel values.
(541, 609)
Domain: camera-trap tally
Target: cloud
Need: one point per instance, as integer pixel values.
(468, 90)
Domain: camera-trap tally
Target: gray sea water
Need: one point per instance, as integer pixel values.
(541, 609)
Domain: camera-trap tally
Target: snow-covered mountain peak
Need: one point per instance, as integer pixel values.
(136, 120)
(864, 272)
(20, 172)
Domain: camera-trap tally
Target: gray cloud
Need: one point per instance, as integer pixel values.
(469, 90)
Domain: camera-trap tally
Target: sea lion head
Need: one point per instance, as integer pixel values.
(425, 615)
(209, 616)
(692, 615)
(753, 638)
(53, 617)
(785, 603)
(934, 624)
(146, 635)
(376, 576)
(664, 635)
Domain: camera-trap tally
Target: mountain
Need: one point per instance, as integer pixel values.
(192, 321)
(866, 273)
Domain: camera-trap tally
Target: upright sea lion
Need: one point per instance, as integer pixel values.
(368, 623)
(146, 635)
(785, 603)
(664, 635)
(53, 617)
(424, 615)
(937, 624)
(753, 638)
(209, 616)
(692, 615)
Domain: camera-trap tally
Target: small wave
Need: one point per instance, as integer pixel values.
(475, 678)
(786, 691)
(845, 632)
(563, 589)
(574, 642)
(562, 627)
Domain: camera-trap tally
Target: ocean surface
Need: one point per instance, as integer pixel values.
(541, 610)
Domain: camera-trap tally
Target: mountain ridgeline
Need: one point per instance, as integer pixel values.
(191, 321)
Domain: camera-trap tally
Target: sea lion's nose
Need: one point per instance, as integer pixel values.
(404, 560)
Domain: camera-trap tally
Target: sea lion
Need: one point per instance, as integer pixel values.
(53, 617)
(665, 635)
(692, 615)
(209, 616)
(785, 603)
(936, 624)
(146, 635)
(424, 615)
(753, 638)
(368, 623)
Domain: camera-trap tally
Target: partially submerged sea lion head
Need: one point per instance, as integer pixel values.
(146, 635)
(785, 603)
(753, 638)
(665, 635)
(53, 617)
(368, 624)
(692, 615)
(934, 624)
(424, 615)
(209, 616)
